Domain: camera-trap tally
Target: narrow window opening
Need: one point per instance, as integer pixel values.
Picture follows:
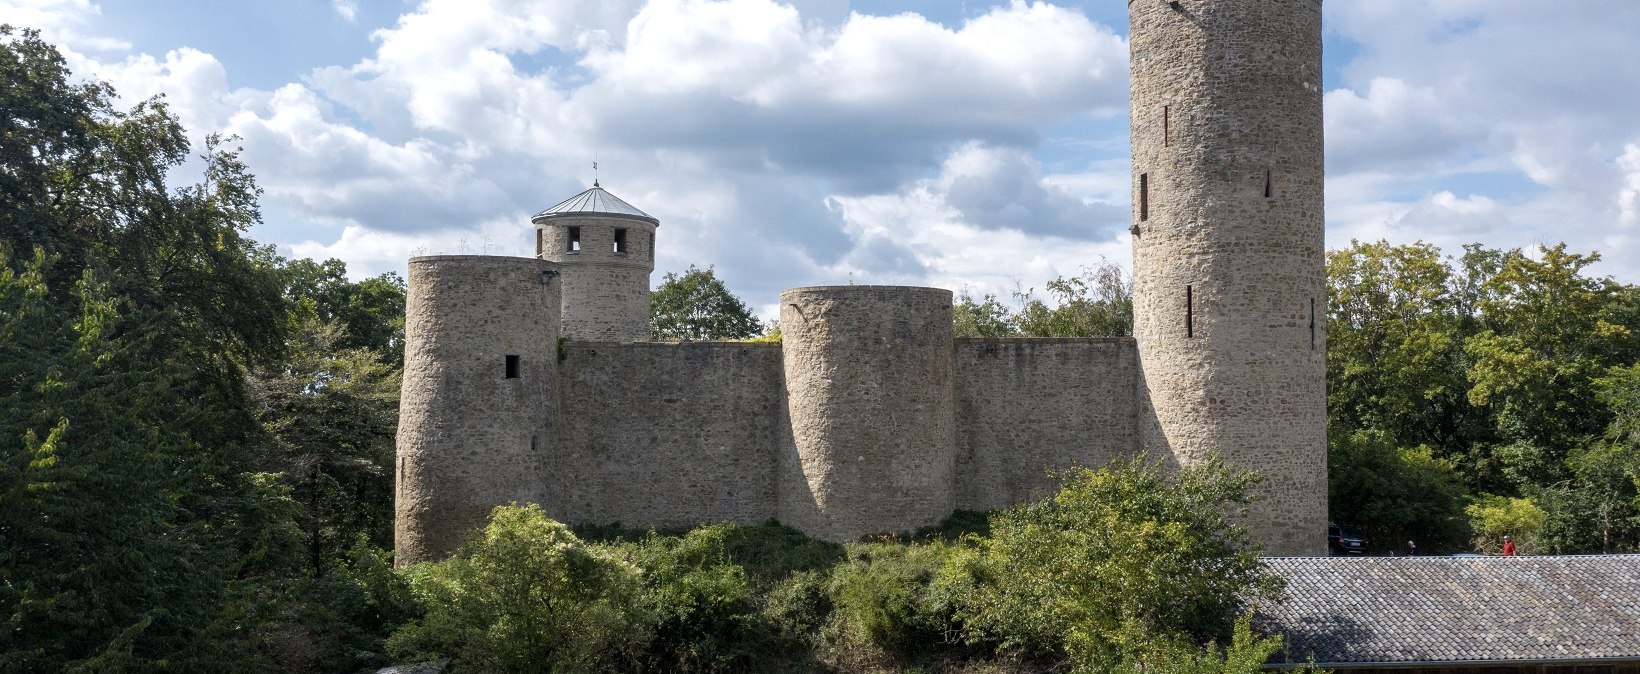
(538, 239)
(620, 241)
(1189, 312)
(575, 239)
(650, 239)
(1144, 196)
(1312, 323)
(512, 367)
(1267, 191)
(535, 443)
(1167, 127)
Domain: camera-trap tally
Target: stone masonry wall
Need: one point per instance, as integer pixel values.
(658, 434)
(1229, 292)
(470, 436)
(870, 401)
(1026, 407)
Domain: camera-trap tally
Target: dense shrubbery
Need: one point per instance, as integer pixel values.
(1126, 569)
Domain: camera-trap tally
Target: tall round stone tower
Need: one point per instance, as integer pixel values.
(1228, 277)
(606, 248)
(476, 418)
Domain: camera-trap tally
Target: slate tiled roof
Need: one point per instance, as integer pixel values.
(595, 200)
(1403, 610)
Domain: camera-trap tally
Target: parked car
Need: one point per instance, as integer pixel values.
(1343, 539)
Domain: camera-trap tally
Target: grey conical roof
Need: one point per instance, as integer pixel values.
(595, 201)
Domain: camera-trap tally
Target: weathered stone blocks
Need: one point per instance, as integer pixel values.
(1229, 290)
(478, 409)
(606, 293)
(870, 400)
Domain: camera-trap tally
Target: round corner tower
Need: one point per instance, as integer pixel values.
(1228, 267)
(476, 417)
(870, 397)
(606, 248)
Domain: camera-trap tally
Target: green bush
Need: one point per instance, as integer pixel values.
(797, 607)
(891, 595)
(1122, 559)
(701, 608)
(1494, 517)
(1246, 654)
(772, 552)
(526, 596)
(358, 604)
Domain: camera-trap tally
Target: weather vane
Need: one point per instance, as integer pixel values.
(594, 168)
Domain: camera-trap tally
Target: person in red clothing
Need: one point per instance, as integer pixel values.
(1508, 547)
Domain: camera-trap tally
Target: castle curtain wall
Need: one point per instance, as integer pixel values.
(668, 435)
(675, 435)
(1029, 407)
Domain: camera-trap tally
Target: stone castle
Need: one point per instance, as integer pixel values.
(530, 380)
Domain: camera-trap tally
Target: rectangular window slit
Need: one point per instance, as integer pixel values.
(620, 241)
(1167, 130)
(1189, 311)
(535, 442)
(575, 239)
(512, 367)
(539, 233)
(1267, 192)
(1312, 323)
(1144, 196)
(650, 238)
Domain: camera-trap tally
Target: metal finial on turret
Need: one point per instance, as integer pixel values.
(594, 174)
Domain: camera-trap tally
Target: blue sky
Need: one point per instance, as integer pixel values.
(968, 145)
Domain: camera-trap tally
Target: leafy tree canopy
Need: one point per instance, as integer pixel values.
(697, 306)
(1098, 302)
(1500, 378)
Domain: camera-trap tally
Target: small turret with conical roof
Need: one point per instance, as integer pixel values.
(606, 250)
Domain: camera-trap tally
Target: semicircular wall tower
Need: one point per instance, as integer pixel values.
(606, 249)
(477, 415)
(1228, 248)
(869, 395)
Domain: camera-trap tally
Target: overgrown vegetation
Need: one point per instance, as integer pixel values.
(1127, 568)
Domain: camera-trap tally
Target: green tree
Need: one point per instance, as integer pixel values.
(1121, 561)
(101, 568)
(1395, 360)
(1098, 302)
(1594, 511)
(371, 311)
(985, 317)
(1396, 494)
(697, 306)
(330, 414)
(133, 526)
(1545, 340)
(527, 596)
